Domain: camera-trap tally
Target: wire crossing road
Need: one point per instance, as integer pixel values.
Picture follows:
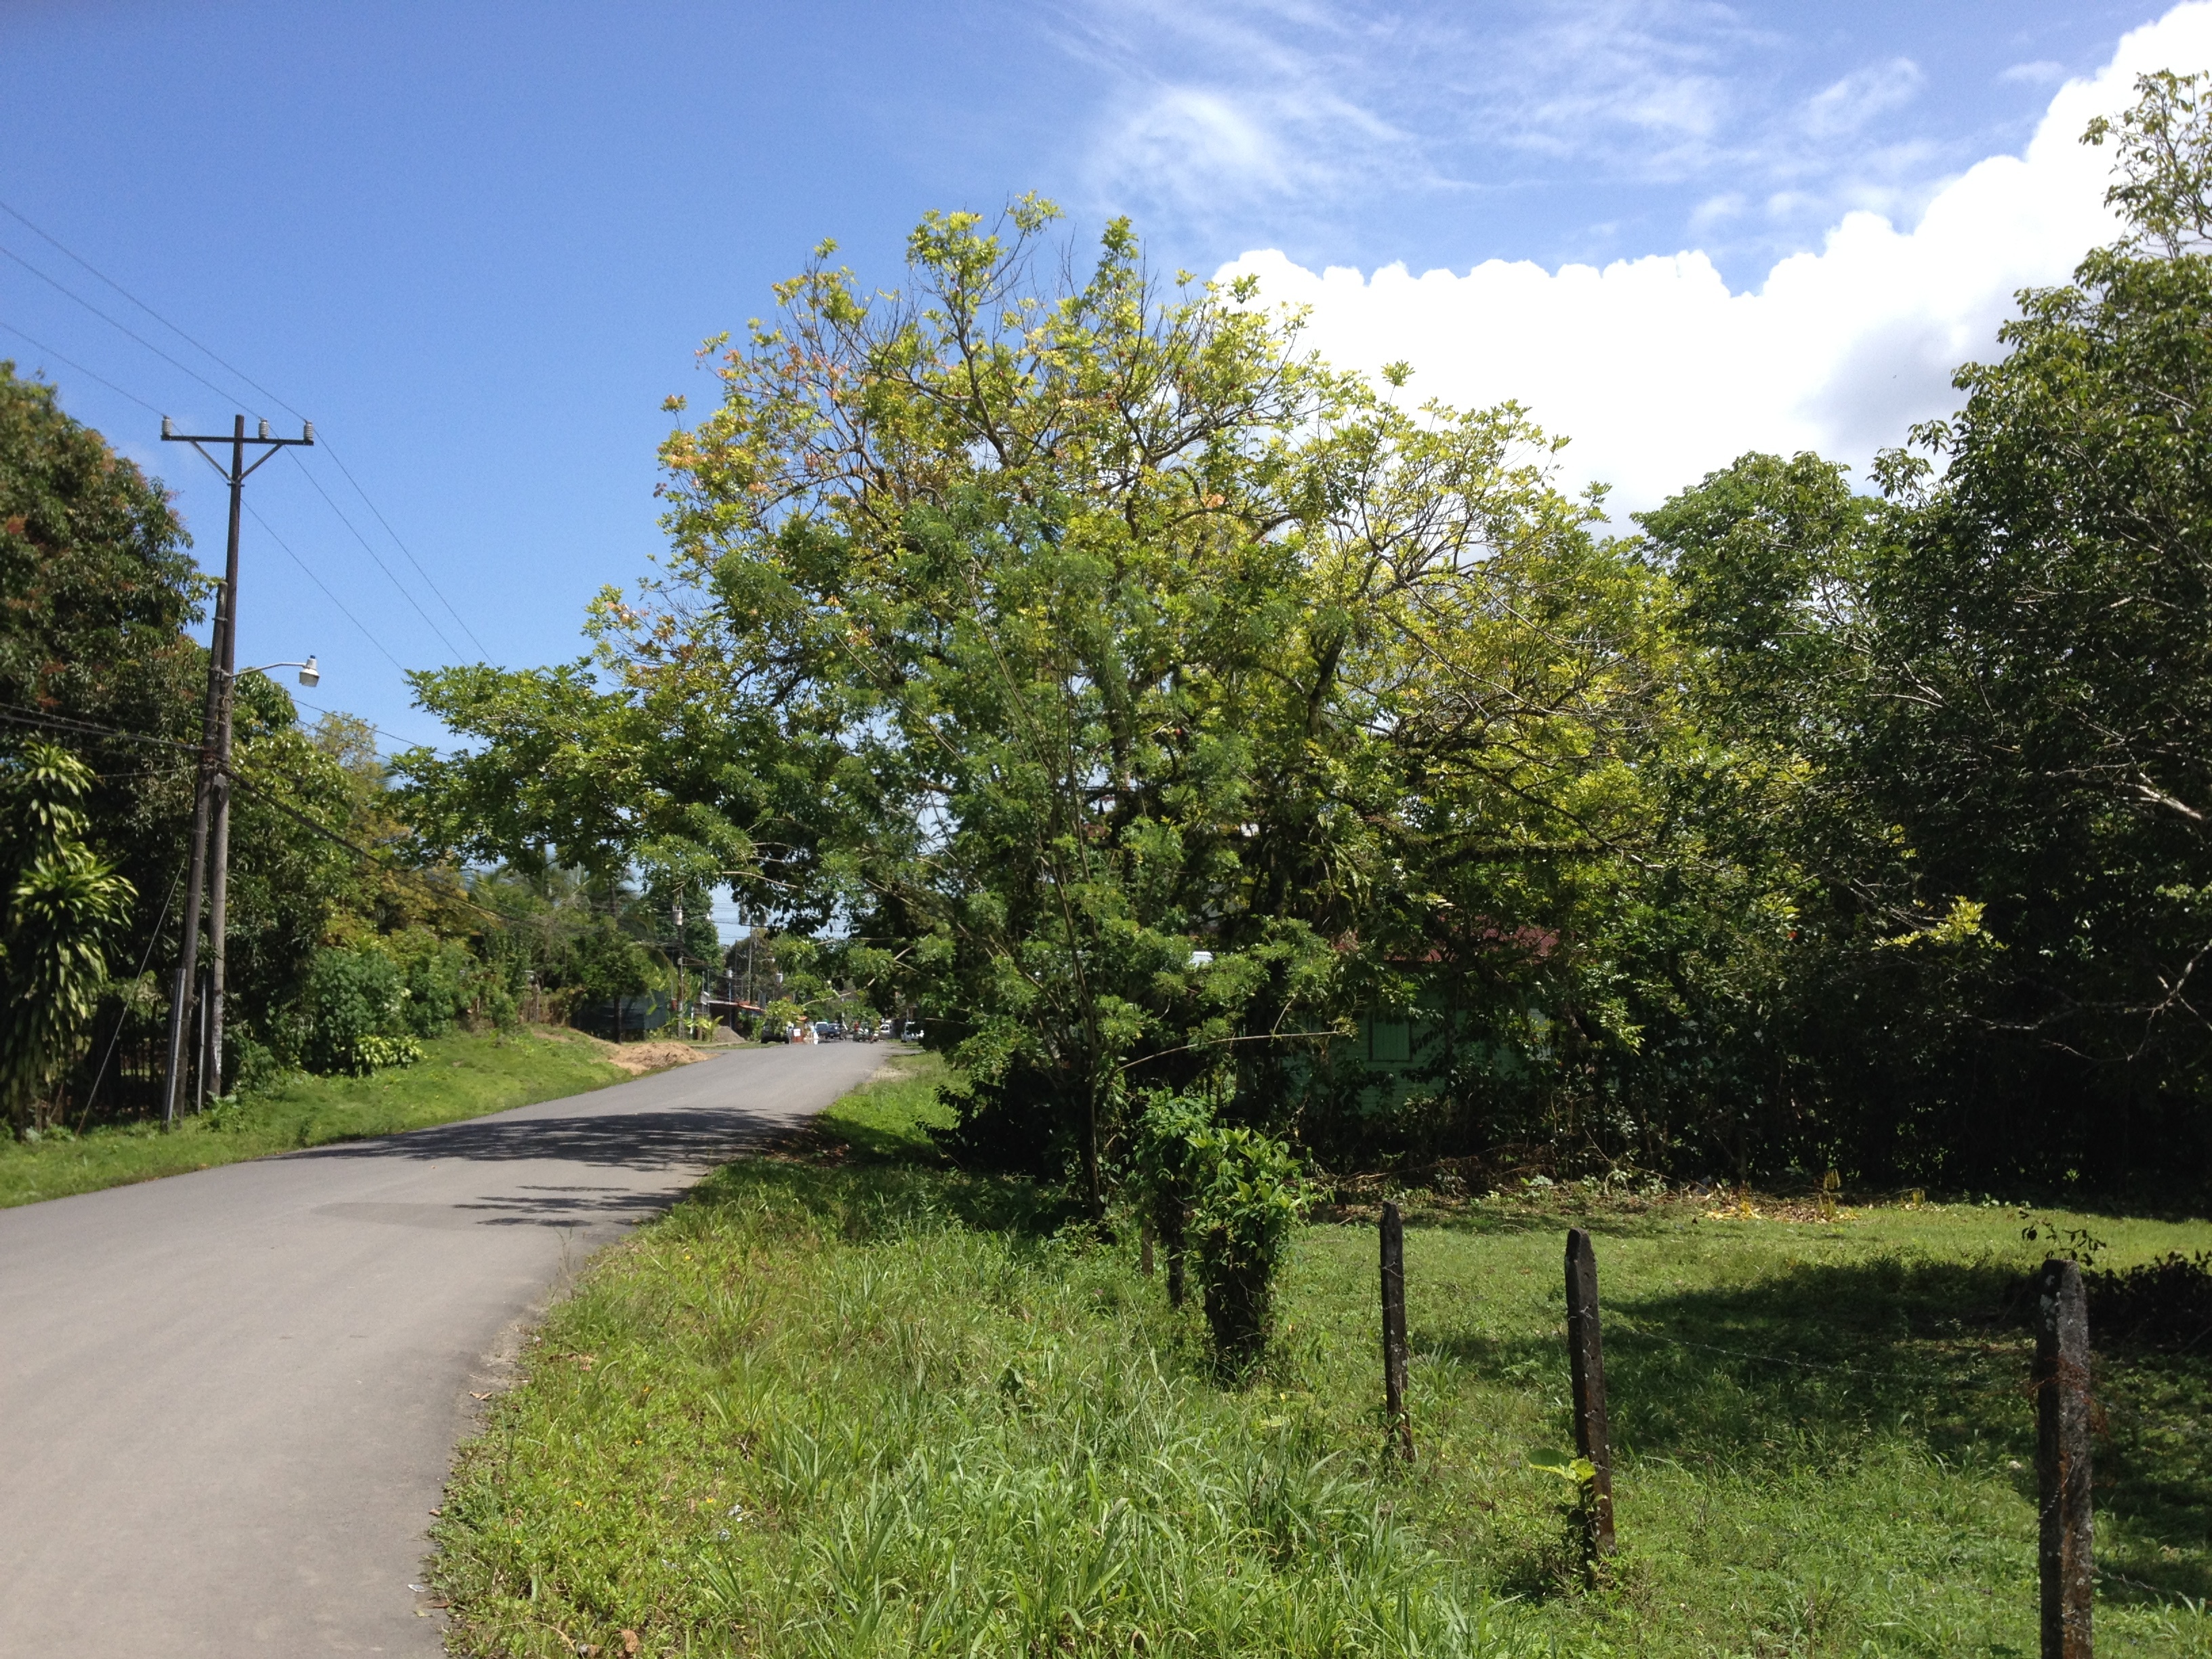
(228, 1401)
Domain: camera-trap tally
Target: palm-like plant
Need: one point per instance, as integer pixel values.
(62, 901)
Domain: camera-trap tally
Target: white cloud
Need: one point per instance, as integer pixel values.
(1659, 373)
(1856, 99)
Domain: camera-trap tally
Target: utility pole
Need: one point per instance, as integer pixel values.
(681, 1028)
(211, 797)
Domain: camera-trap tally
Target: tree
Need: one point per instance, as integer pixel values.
(1088, 655)
(1972, 713)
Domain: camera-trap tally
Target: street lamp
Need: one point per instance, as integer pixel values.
(310, 676)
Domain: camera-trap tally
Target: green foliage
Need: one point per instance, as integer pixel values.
(62, 905)
(1247, 1194)
(1149, 705)
(1233, 1194)
(1107, 662)
(350, 998)
(1952, 734)
(374, 1053)
(95, 586)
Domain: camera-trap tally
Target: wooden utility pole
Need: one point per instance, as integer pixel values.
(2067, 1568)
(211, 796)
(1586, 1364)
(1400, 1426)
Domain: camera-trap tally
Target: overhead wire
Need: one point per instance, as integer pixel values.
(122, 328)
(122, 1017)
(286, 547)
(90, 374)
(16, 715)
(429, 621)
(47, 236)
(231, 368)
(402, 547)
(327, 594)
(318, 708)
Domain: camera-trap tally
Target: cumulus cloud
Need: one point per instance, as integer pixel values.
(1660, 373)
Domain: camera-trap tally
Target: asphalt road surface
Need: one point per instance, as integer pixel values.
(228, 1401)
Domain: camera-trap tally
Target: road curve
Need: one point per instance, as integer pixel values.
(229, 1400)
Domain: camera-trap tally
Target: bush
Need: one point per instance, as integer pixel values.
(1239, 1193)
(2166, 1303)
(350, 996)
(376, 1052)
(440, 979)
(1249, 1202)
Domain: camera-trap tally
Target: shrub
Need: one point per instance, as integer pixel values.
(1247, 1202)
(375, 1053)
(1239, 1194)
(440, 977)
(1164, 1166)
(351, 995)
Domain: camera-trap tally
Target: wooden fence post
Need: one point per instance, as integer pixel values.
(1400, 1427)
(1145, 1246)
(1170, 1223)
(2061, 1460)
(1586, 1363)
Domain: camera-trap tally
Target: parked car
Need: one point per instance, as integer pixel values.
(830, 1030)
(913, 1032)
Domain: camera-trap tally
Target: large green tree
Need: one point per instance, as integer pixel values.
(1967, 721)
(1139, 695)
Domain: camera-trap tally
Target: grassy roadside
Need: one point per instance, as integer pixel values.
(847, 1404)
(463, 1075)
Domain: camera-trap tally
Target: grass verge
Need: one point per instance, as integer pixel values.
(463, 1075)
(840, 1403)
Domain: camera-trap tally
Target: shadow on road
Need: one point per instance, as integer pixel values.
(627, 1141)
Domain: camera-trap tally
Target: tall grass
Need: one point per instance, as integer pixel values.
(871, 1408)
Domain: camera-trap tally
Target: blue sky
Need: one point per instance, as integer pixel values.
(477, 244)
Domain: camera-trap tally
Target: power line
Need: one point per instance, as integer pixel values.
(123, 1014)
(404, 547)
(121, 328)
(327, 594)
(432, 622)
(372, 725)
(258, 519)
(232, 368)
(49, 237)
(15, 715)
(81, 368)
(11, 712)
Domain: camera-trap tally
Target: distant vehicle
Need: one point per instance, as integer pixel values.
(913, 1032)
(888, 1029)
(830, 1031)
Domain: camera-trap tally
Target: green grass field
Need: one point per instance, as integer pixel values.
(460, 1076)
(844, 1403)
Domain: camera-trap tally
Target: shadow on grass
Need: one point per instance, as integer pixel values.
(1818, 1366)
(873, 1201)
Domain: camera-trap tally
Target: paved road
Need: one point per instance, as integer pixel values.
(228, 1401)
